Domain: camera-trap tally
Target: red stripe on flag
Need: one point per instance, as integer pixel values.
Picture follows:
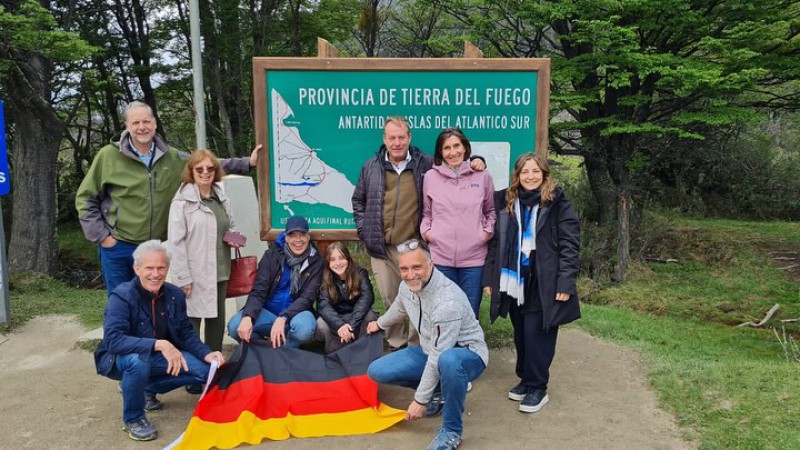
(269, 400)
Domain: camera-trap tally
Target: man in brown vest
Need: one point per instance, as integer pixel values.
(387, 207)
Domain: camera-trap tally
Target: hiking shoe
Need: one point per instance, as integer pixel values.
(195, 389)
(151, 403)
(445, 440)
(534, 400)
(518, 392)
(140, 430)
(435, 405)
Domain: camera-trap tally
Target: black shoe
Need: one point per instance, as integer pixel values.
(518, 392)
(195, 389)
(140, 430)
(151, 403)
(534, 400)
(435, 405)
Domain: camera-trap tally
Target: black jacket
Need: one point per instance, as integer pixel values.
(358, 307)
(369, 193)
(557, 260)
(270, 270)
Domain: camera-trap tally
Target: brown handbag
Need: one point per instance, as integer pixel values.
(243, 275)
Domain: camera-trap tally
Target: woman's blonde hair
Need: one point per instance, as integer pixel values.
(546, 189)
(195, 159)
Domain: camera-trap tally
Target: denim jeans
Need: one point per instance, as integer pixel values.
(469, 279)
(299, 330)
(117, 264)
(457, 367)
(143, 372)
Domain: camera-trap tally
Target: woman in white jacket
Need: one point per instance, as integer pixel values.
(200, 265)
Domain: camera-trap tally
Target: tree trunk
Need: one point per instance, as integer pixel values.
(623, 235)
(602, 188)
(32, 246)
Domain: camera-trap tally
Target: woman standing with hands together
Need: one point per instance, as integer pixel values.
(458, 214)
(200, 235)
(531, 272)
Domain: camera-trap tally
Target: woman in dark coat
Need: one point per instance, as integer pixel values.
(531, 272)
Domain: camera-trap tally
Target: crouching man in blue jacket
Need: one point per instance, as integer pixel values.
(148, 341)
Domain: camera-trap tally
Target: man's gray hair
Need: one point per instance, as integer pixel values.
(151, 246)
(413, 245)
(137, 104)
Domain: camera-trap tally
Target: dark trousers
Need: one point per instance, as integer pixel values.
(535, 347)
(215, 326)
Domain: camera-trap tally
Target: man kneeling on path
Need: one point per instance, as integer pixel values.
(148, 341)
(452, 350)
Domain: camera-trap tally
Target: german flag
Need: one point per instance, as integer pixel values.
(266, 393)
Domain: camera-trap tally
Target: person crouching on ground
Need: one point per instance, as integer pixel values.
(452, 350)
(287, 283)
(148, 341)
(345, 299)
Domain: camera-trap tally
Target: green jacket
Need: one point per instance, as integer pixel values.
(123, 198)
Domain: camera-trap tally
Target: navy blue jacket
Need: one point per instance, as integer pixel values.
(268, 277)
(128, 325)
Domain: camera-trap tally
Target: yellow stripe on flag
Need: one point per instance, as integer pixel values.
(252, 430)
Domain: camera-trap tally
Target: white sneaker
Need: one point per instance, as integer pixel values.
(469, 386)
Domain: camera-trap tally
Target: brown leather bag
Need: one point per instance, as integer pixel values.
(243, 275)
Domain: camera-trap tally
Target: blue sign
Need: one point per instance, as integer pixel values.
(5, 179)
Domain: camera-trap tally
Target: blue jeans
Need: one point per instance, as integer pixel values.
(143, 372)
(469, 279)
(457, 367)
(299, 330)
(117, 264)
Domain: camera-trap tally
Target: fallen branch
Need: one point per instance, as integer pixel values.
(769, 315)
(788, 267)
(789, 320)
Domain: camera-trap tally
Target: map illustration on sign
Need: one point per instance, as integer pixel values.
(300, 174)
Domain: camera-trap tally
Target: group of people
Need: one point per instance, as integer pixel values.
(438, 235)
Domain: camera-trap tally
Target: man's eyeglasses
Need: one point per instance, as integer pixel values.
(411, 245)
(209, 169)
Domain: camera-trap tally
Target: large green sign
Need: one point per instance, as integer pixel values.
(322, 125)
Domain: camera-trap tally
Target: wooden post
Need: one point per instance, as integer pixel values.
(471, 51)
(325, 49)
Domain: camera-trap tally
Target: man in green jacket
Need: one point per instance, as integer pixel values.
(124, 199)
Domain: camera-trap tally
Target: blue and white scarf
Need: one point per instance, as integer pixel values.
(518, 249)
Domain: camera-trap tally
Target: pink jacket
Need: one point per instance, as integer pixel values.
(458, 211)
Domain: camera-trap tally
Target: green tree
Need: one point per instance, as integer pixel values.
(631, 72)
(30, 47)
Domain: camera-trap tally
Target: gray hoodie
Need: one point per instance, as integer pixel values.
(443, 318)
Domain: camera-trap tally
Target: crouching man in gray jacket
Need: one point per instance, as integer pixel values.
(452, 349)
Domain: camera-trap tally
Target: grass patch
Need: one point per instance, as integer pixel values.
(721, 275)
(732, 386)
(36, 295)
(73, 246)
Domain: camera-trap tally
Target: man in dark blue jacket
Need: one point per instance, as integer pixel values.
(148, 341)
(281, 303)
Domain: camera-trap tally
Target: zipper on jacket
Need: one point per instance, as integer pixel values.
(396, 206)
(152, 174)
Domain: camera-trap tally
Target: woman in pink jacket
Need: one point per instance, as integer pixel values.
(458, 214)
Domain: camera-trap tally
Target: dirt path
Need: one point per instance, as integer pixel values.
(51, 398)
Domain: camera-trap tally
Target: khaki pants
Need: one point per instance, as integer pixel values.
(387, 275)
